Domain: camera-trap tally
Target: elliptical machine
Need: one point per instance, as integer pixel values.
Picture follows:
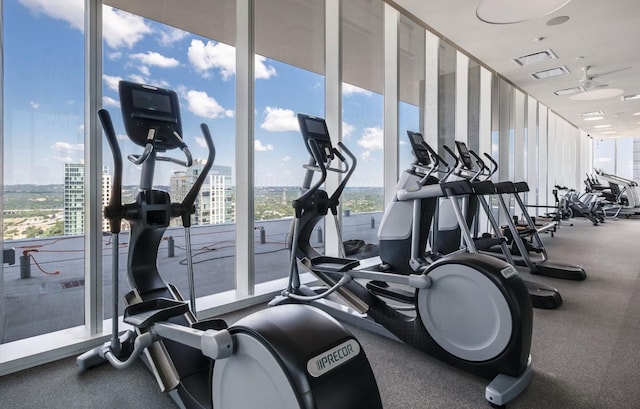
(471, 311)
(291, 356)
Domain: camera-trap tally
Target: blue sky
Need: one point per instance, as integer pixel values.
(44, 79)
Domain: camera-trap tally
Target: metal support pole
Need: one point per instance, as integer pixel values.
(171, 247)
(25, 266)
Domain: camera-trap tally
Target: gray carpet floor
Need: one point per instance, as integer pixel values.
(585, 354)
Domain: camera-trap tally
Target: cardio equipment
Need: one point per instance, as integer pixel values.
(527, 246)
(291, 356)
(469, 310)
(542, 296)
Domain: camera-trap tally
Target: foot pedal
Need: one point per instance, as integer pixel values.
(396, 294)
(144, 314)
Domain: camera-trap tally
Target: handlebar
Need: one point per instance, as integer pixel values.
(113, 210)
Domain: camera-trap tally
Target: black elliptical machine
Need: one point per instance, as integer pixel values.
(468, 310)
(292, 356)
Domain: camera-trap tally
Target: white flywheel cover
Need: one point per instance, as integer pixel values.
(465, 313)
(251, 378)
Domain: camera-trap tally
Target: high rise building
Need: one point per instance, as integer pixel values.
(74, 198)
(214, 204)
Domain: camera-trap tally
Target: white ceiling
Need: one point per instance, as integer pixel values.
(602, 34)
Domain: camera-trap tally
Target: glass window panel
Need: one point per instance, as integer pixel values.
(604, 151)
(289, 80)
(201, 70)
(624, 158)
(362, 128)
(473, 106)
(446, 97)
(412, 76)
(43, 136)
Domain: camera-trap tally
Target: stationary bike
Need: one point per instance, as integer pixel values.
(286, 357)
(469, 310)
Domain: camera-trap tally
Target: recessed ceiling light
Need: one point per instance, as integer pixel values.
(535, 57)
(569, 91)
(592, 113)
(636, 114)
(630, 97)
(593, 118)
(538, 39)
(552, 72)
(601, 126)
(608, 132)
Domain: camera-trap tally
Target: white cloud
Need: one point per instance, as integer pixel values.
(119, 28)
(212, 55)
(286, 158)
(263, 71)
(70, 11)
(68, 147)
(348, 89)
(110, 102)
(371, 140)
(200, 141)
(140, 79)
(144, 70)
(205, 57)
(200, 103)
(279, 120)
(111, 81)
(347, 130)
(116, 55)
(155, 59)
(171, 35)
(259, 147)
(34, 105)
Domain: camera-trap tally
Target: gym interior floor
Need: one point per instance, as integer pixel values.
(585, 354)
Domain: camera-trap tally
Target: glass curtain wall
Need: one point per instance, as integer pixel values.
(289, 44)
(362, 115)
(191, 49)
(42, 167)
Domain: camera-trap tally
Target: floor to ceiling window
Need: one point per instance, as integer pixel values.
(362, 127)
(289, 43)
(411, 61)
(201, 70)
(43, 137)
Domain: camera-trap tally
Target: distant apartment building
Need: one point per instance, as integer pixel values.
(74, 204)
(214, 203)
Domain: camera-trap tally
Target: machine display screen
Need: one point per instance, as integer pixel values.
(151, 101)
(465, 156)
(317, 128)
(419, 151)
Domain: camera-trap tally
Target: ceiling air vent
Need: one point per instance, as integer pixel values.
(545, 55)
(553, 72)
(569, 91)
